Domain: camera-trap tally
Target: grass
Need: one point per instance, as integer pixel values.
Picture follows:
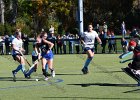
(105, 80)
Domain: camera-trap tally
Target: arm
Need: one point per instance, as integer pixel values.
(99, 40)
(49, 43)
(82, 40)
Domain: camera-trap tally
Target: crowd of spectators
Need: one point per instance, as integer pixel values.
(70, 44)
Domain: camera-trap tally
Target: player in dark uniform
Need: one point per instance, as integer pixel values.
(46, 56)
(133, 68)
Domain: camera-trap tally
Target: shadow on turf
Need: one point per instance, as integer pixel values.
(74, 98)
(18, 79)
(133, 91)
(69, 74)
(109, 72)
(105, 84)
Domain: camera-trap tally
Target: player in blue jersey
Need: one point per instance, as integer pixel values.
(46, 56)
(88, 39)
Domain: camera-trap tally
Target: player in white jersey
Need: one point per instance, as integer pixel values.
(88, 39)
(16, 49)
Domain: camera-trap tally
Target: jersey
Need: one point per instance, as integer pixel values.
(18, 44)
(44, 47)
(89, 38)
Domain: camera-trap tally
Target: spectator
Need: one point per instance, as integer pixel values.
(53, 40)
(64, 42)
(103, 39)
(7, 44)
(59, 44)
(2, 46)
(105, 28)
(123, 29)
(70, 44)
(51, 30)
(26, 43)
(77, 43)
(124, 44)
(111, 42)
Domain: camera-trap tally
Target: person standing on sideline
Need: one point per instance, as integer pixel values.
(123, 29)
(88, 39)
(16, 49)
(51, 30)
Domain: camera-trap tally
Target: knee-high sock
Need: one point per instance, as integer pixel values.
(30, 71)
(87, 62)
(46, 67)
(20, 67)
(23, 68)
(44, 72)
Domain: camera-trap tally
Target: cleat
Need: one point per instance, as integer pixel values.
(46, 79)
(53, 73)
(27, 76)
(14, 75)
(84, 70)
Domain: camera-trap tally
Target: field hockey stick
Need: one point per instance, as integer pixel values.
(36, 62)
(125, 54)
(25, 58)
(124, 61)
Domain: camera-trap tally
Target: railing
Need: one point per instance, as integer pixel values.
(73, 46)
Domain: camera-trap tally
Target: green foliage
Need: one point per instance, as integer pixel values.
(8, 29)
(2, 29)
(27, 30)
(38, 14)
(20, 23)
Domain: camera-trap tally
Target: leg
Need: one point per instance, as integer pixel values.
(20, 59)
(50, 65)
(90, 56)
(44, 61)
(21, 67)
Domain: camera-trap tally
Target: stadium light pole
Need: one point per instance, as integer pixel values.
(80, 16)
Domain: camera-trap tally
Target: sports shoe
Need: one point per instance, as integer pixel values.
(14, 75)
(46, 79)
(84, 70)
(53, 73)
(27, 76)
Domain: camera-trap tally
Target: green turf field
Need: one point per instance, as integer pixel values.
(105, 81)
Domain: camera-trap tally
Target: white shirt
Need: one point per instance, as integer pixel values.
(89, 38)
(17, 43)
(51, 30)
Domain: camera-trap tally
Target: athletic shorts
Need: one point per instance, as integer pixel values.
(47, 56)
(14, 55)
(34, 58)
(87, 48)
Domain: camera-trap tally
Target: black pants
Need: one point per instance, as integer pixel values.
(136, 63)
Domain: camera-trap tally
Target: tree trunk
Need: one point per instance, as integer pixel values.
(2, 11)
